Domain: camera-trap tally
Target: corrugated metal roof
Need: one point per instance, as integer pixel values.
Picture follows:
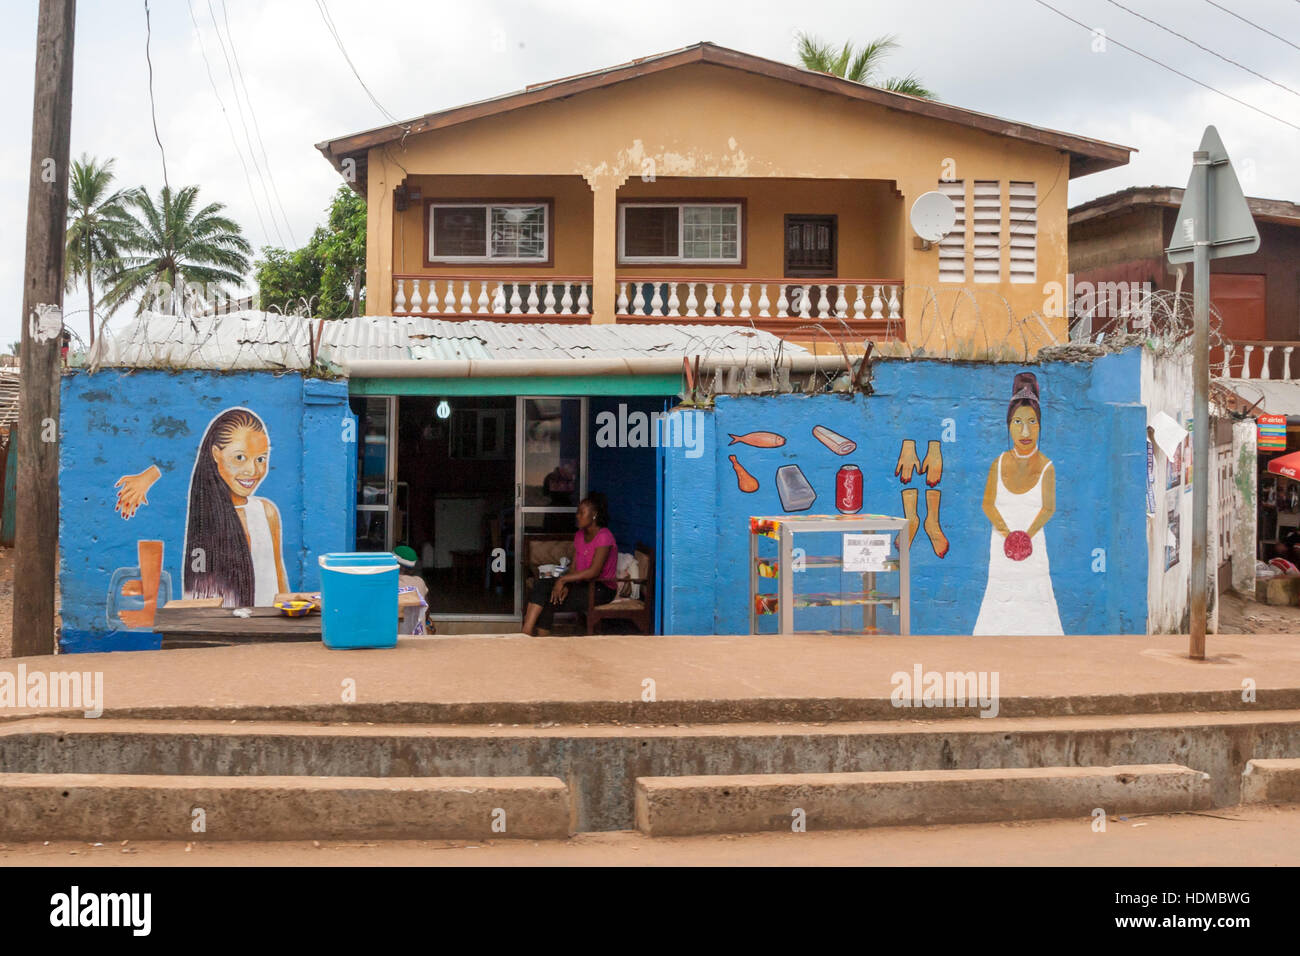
(268, 340)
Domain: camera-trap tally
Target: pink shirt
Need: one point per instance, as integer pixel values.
(584, 551)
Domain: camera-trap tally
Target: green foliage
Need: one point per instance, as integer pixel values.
(326, 277)
(858, 64)
(98, 220)
(172, 242)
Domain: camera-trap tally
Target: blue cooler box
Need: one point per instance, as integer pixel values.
(359, 599)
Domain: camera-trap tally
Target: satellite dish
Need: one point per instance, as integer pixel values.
(933, 216)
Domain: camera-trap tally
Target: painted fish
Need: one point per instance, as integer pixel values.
(758, 439)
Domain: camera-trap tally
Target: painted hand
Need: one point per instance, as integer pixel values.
(933, 464)
(907, 461)
(133, 491)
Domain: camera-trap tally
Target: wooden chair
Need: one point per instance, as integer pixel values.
(639, 610)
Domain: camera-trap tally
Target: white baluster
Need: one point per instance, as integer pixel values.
(466, 303)
(764, 304)
(824, 301)
(710, 303)
(746, 307)
(656, 300)
(484, 303)
(566, 301)
(584, 303)
(728, 304)
(533, 301)
(638, 299)
(674, 304)
(877, 304)
(1245, 361)
(499, 299)
(782, 303)
(841, 303)
(622, 298)
(1286, 362)
(805, 302)
(417, 304)
(1263, 372)
(515, 300)
(859, 304)
(399, 300)
(449, 300)
(1227, 360)
(550, 300)
(895, 304)
(692, 303)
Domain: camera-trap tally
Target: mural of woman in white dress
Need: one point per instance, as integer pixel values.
(1019, 499)
(232, 537)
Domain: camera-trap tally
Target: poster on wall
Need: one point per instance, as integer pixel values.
(1174, 468)
(1187, 464)
(1271, 433)
(1174, 537)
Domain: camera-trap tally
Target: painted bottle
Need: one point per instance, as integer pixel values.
(848, 490)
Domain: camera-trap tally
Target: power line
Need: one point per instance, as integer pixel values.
(329, 24)
(1205, 48)
(1110, 39)
(239, 108)
(1252, 24)
(153, 112)
(248, 180)
(257, 129)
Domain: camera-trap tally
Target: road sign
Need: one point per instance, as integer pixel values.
(1229, 227)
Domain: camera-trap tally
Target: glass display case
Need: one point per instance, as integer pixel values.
(853, 565)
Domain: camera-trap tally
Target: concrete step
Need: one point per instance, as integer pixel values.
(1271, 781)
(106, 807)
(686, 806)
(601, 762)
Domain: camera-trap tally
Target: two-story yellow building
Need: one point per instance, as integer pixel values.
(708, 186)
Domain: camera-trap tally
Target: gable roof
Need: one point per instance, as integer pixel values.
(1278, 211)
(1086, 155)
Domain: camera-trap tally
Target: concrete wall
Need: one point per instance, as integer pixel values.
(1167, 387)
(146, 427)
(1092, 430)
(1245, 524)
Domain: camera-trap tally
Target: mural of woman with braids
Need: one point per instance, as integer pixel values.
(232, 537)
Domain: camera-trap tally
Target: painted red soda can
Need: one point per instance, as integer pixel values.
(848, 490)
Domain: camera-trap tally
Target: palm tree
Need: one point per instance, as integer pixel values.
(859, 65)
(96, 221)
(173, 242)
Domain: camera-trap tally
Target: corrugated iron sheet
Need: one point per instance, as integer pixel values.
(268, 340)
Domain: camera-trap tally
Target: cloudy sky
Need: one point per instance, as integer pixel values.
(1013, 58)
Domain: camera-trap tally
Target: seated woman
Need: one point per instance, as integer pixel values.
(595, 565)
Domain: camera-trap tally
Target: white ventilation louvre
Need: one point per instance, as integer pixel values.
(986, 206)
(1022, 208)
(952, 247)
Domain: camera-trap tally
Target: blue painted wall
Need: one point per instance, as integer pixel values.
(1093, 430)
(117, 423)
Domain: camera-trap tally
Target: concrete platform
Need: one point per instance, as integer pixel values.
(115, 807)
(1271, 781)
(517, 679)
(691, 806)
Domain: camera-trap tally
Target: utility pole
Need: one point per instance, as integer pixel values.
(36, 530)
(1200, 402)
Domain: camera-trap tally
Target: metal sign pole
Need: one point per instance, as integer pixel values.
(1200, 405)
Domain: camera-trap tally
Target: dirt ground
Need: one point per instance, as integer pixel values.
(1233, 836)
(1241, 615)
